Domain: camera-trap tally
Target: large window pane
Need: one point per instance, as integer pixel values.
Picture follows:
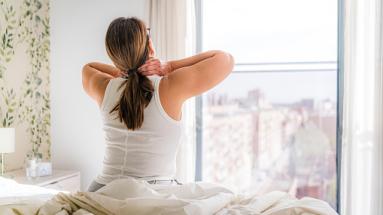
(272, 124)
(272, 131)
(271, 30)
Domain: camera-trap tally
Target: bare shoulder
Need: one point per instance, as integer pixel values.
(169, 101)
(95, 83)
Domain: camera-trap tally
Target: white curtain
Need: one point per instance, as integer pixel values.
(172, 24)
(362, 150)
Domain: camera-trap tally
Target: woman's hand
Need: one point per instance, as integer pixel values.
(154, 66)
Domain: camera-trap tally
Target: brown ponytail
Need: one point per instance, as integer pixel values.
(127, 44)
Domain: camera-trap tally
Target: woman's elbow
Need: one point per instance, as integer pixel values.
(227, 60)
(86, 73)
(85, 68)
(231, 61)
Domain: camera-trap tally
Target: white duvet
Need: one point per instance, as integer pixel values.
(130, 196)
(13, 194)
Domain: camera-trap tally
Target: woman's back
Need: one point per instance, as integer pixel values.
(148, 152)
(141, 132)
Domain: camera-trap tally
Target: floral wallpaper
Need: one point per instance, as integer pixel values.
(24, 77)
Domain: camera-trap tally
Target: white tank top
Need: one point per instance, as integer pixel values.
(147, 153)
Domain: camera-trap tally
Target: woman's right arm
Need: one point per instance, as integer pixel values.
(189, 61)
(194, 75)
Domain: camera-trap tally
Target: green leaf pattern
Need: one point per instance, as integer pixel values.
(28, 23)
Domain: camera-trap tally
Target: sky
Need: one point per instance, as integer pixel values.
(274, 31)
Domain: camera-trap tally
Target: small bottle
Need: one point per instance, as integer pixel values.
(32, 166)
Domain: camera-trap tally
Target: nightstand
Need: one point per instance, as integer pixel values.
(62, 180)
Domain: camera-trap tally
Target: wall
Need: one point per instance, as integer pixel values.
(77, 37)
(24, 77)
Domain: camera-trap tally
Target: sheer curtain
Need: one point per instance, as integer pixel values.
(173, 33)
(362, 150)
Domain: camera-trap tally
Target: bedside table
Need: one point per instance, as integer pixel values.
(62, 180)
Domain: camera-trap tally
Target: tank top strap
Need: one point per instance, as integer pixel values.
(110, 93)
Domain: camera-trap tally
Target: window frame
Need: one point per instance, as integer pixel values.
(339, 102)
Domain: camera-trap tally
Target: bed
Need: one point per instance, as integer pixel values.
(130, 196)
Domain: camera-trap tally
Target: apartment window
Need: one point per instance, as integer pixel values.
(272, 124)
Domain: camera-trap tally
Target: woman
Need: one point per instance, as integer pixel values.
(141, 99)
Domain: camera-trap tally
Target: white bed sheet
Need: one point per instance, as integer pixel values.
(15, 194)
(130, 196)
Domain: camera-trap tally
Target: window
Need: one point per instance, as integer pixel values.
(271, 125)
